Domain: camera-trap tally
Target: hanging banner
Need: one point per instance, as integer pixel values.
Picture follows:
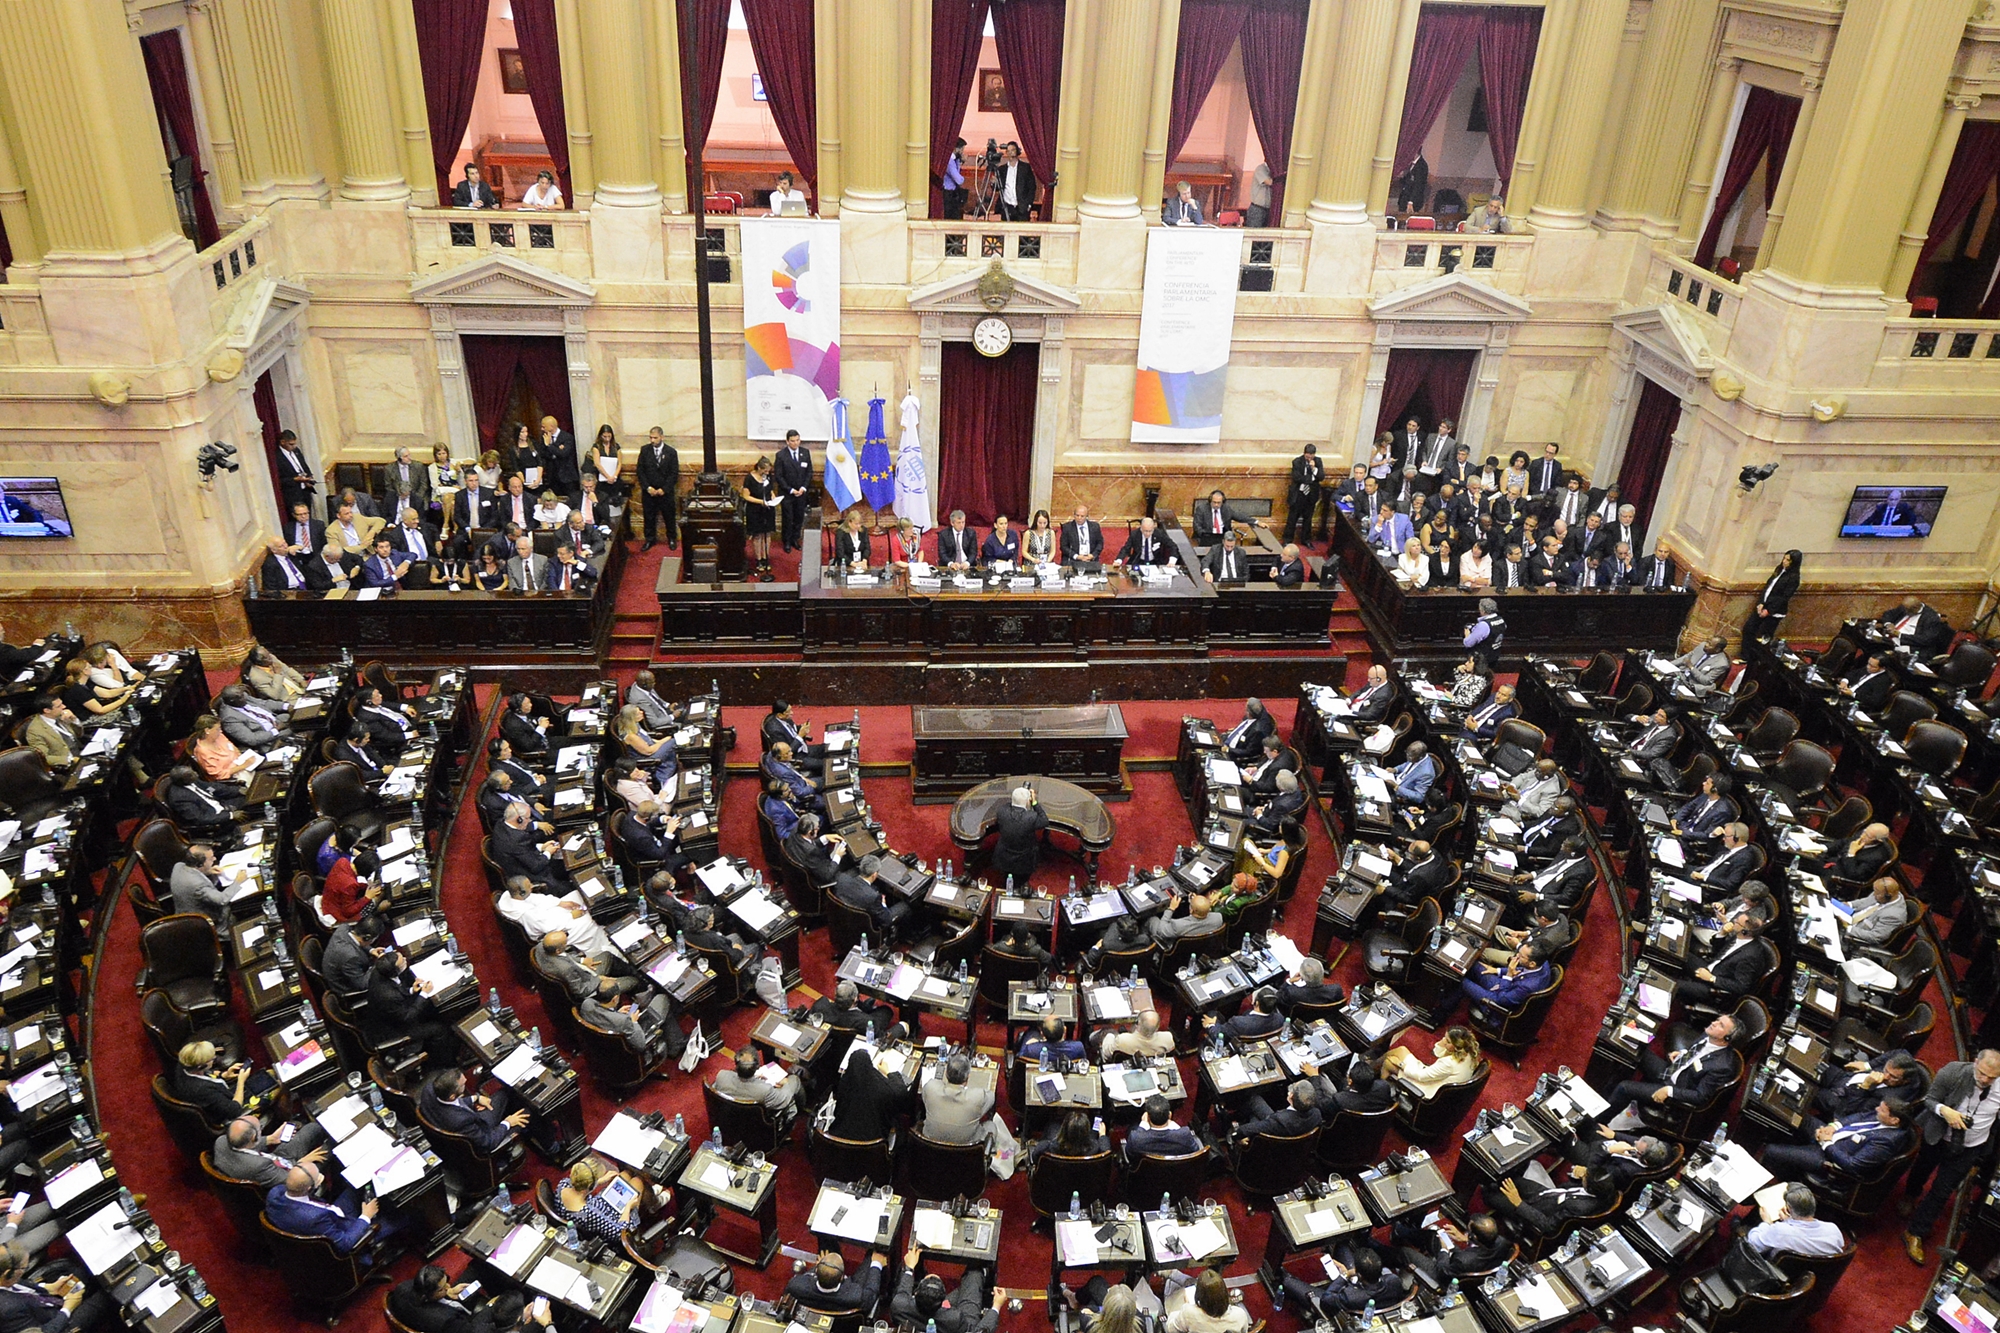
(1185, 327)
(791, 325)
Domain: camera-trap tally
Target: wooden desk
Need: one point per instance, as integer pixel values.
(960, 748)
(1070, 808)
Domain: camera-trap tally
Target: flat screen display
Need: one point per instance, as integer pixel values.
(1892, 511)
(33, 507)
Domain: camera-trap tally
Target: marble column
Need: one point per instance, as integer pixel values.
(1781, 198)
(1643, 192)
(917, 110)
(1706, 164)
(874, 118)
(1309, 119)
(275, 144)
(1618, 106)
(14, 212)
(1562, 199)
(625, 210)
(351, 33)
(1866, 158)
(1545, 86)
(86, 142)
(1073, 98)
(1166, 58)
(412, 113)
(1121, 60)
(1389, 114)
(576, 106)
(827, 42)
(1352, 134)
(1917, 225)
(673, 123)
(215, 108)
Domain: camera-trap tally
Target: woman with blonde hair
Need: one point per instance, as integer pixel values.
(906, 545)
(760, 506)
(1382, 459)
(550, 511)
(1457, 1053)
(601, 1203)
(489, 468)
(629, 727)
(1412, 570)
(1210, 1310)
(218, 757)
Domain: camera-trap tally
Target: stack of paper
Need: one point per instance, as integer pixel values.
(519, 1068)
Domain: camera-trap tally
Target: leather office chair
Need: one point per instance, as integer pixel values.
(1839, 655)
(1935, 748)
(398, 1088)
(556, 1000)
(186, 1125)
(944, 1169)
(1352, 1140)
(496, 878)
(851, 1160)
(339, 794)
(1295, 864)
(172, 1029)
(1710, 1304)
(241, 1200)
(615, 1064)
(1968, 668)
(27, 788)
(473, 1174)
(1826, 1270)
(1178, 954)
(1688, 780)
(1847, 819)
(145, 907)
(1271, 1164)
(1523, 733)
(184, 958)
(1434, 1117)
(845, 925)
(1149, 1175)
(1735, 709)
(1514, 1031)
(1801, 773)
(160, 847)
(1855, 1039)
(1685, 1122)
(1598, 675)
(1913, 970)
(1860, 1197)
(1637, 699)
(320, 1277)
(742, 1122)
(1773, 732)
(1391, 953)
(1903, 711)
(1056, 1176)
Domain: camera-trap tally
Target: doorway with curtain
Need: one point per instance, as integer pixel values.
(1647, 447)
(986, 431)
(1427, 383)
(516, 380)
(264, 398)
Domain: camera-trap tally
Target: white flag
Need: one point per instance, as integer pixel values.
(913, 493)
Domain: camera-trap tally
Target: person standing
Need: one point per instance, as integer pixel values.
(1017, 850)
(1956, 1127)
(1302, 495)
(792, 476)
(1259, 212)
(953, 182)
(295, 475)
(1774, 599)
(1017, 184)
(659, 484)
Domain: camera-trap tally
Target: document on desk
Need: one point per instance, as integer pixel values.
(404, 1167)
(1190, 1243)
(626, 1140)
(439, 970)
(72, 1182)
(104, 1238)
(339, 1119)
(363, 1151)
(933, 1229)
(520, 1067)
(1538, 1297)
(757, 910)
(30, 1092)
(720, 876)
(557, 1279)
(1505, 827)
(1378, 866)
(1078, 1239)
(1229, 1072)
(1656, 1000)
(843, 1215)
(1110, 1002)
(1736, 1173)
(1371, 788)
(1587, 1099)
(514, 1248)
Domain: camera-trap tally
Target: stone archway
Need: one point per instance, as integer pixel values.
(1452, 311)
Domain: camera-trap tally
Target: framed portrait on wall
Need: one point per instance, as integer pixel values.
(513, 76)
(992, 91)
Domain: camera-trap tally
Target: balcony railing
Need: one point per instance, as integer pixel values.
(448, 237)
(1672, 278)
(1405, 258)
(1976, 342)
(943, 249)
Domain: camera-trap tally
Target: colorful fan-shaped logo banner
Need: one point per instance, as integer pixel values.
(791, 326)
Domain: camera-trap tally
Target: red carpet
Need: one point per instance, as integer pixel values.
(1880, 1287)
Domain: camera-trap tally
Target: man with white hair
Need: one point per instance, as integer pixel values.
(538, 913)
(1270, 817)
(1018, 849)
(1146, 1039)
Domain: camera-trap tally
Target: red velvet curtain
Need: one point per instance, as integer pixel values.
(1274, 49)
(1426, 376)
(264, 397)
(957, 29)
(166, 71)
(1765, 127)
(451, 41)
(1973, 165)
(1507, 44)
(1208, 29)
(1646, 450)
(1029, 34)
(541, 62)
(1446, 35)
(986, 431)
(491, 363)
(711, 40)
(781, 38)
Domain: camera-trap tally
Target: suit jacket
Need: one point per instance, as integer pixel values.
(1413, 880)
(1703, 1077)
(311, 534)
(1265, 783)
(273, 577)
(1137, 550)
(468, 513)
(580, 576)
(1245, 740)
(414, 1312)
(1871, 692)
(1169, 1141)
(516, 852)
(789, 473)
(1565, 886)
(861, 1289)
(1252, 1026)
(311, 1218)
(320, 579)
(1932, 634)
(346, 962)
(1203, 529)
(1862, 1144)
(1071, 544)
(407, 541)
(1371, 702)
(578, 980)
(1308, 471)
(365, 528)
(814, 857)
(958, 546)
(531, 575)
(1655, 742)
(378, 572)
(660, 469)
(1391, 533)
(955, 1112)
(466, 192)
(57, 743)
(1951, 1086)
(295, 477)
(1873, 922)
(1646, 568)
(995, 548)
(1286, 1121)
(394, 1007)
(753, 1089)
(1289, 573)
(1727, 871)
(1539, 571)
(1776, 594)
(1545, 474)
(1505, 992)
(487, 1129)
(523, 735)
(1486, 719)
(1414, 778)
(851, 546)
(1736, 973)
(1239, 562)
(252, 1164)
(389, 481)
(1015, 849)
(1703, 815)
(1285, 805)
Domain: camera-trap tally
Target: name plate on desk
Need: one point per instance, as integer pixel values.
(1021, 582)
(925, 582)
(862, 580)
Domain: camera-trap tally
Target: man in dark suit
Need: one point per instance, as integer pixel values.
(1567, 501)
(1439, 449)
(447, 1103)
(1690, 1076)
(417, 542)
(1144, 546)
(860, 889)
(659, 487)
(1014, 184)
(1348, 494)
(1157, 1133)
(1859, 1145)
(1261, 775)
(281, 572)
(568, 574)
(1736, 962)
(1657, 571)
(1892, 511)
(1371, 702)
(1082, 538)
(331, 568)
(781, 726)
(1270, 817)
(1484, 720)
(1869, 685)
(1245, 740)
(473, 506)
(1559, 885)
(1406, 447)
(1706, 811)
(1546, 472)
(559, 454)
(473, 192)
(1510, 570)
(1302, 493)
(792, 475)
(1725, 872)
(404, 477)
(382, 569)
(305, 536)
(519, 848)
(1291, 569)
(819, 855)
(1212, 519)
(526, 734)
(296, 481)
(1420, 871)
(1017, 849)
(958, 543)
(1225, 562)
(1918, 626)
(1298, 1115)
(1956, 1124)
(826, 1286)
(1544, 569)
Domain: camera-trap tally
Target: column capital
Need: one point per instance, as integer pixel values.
(1812, 83)
(1967, 102)
(1728, 64)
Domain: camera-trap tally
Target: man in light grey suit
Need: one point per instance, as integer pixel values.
(527, 572)
(1166, 927)
(252, 725)
(244, 1152)
(1538, 791)
(193, 886)
(743, 1084)
(1872, 920)
(954, 1111)
(1705, 664)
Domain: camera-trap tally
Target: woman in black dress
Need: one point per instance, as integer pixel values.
(760, 507)
(1774, 600)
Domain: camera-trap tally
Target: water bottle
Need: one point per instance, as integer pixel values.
(374, 1097)
(535, 1039)
(1451, 1296)
(1075, 1203)
(270, 908)
(1072, 886)
(1131, 873)
(1645, 1204)
(493, 1001)
(1166, 1203)
(126, 1202)
(306, 1012)
(1721, 1135)
(864, 944)
(1126, 983)
(930, 1326)
(1048, 1058)
(196, 1288)
(1368, 1313)
(680, 1127)
(569, 1236)
(871, 1032)
(1010, 886)
(715, 1138)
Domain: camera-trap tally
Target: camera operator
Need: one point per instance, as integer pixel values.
(953, 182)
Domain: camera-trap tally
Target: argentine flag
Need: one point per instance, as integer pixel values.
(843, 479)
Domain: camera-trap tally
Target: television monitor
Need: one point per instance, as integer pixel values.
(32, 507)
(1892, 511)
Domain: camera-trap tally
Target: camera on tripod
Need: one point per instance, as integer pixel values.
(992, 155)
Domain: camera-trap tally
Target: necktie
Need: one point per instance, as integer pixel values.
(303, 535)
(1659, 571)
(292, 576)
(415, 537)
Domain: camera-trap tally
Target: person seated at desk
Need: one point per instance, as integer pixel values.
(657, 756)
(1371, 702)
(199, 806)
(569, 574)
(1157, 1134)
(1484, 720)
(215, 754)
(1299, 1115)
(1260, 778)
(1858, 860)
(194, 887)
(1263, 1020)
(741, 1082)
(1411, 569)
(782, 727)
(524, 781)
(250, 723)
(519, 848)
(923, 1303)
(1548, 837)
(1308, 986)
(538, 913)
(526, 571)
(495, 795)
(270, 679)
(1355, 1287)
(1145, 1039)
(347, 1222)
(1290, 571)
(598, 976)
(1082, 538)
(958, 544)
(777, 767)
(524, 730)
(1270, 817)
(1561, 884)
(1225, 563)
(740, 956)
(1002, 545)
(1730, 866)
(644, 694)
(819, 855)
(1544, 568)
(390, 730)
(851, 548)
(1532, 795)
(1858, 1144)
(1046, 1040)
(1507, 987)
(1245, 740)
(431, 1303)
(1692, 1075)
(1144, 546)
(953, 1110)
(1419, 871)
(399, 1005)
(488, 573)
(1914, 625)
(1039, 545)
(55, 1306)
(1589, 572)
(861, 889)
(220, 1092)
(550, 512)
(1868, 685)
(1475, 567)
(846, 1010)
(1547, 928)
(1703, 666)
(1541, 1208)
(1213, 520)
(1704, 813)
(1476, 1250)
(1875, 919)
(906, 546)
(1211, 1308)
(1736, 962)
(1793, 1228)
(1862, 1083)
(243, 1151)
(282, 570)
(485, 1122)
(1441, 565)
(1457, 1053)
(826, 1286)
(776, 805)
(867, 1102)
(1199, 921)
(1415, 774)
